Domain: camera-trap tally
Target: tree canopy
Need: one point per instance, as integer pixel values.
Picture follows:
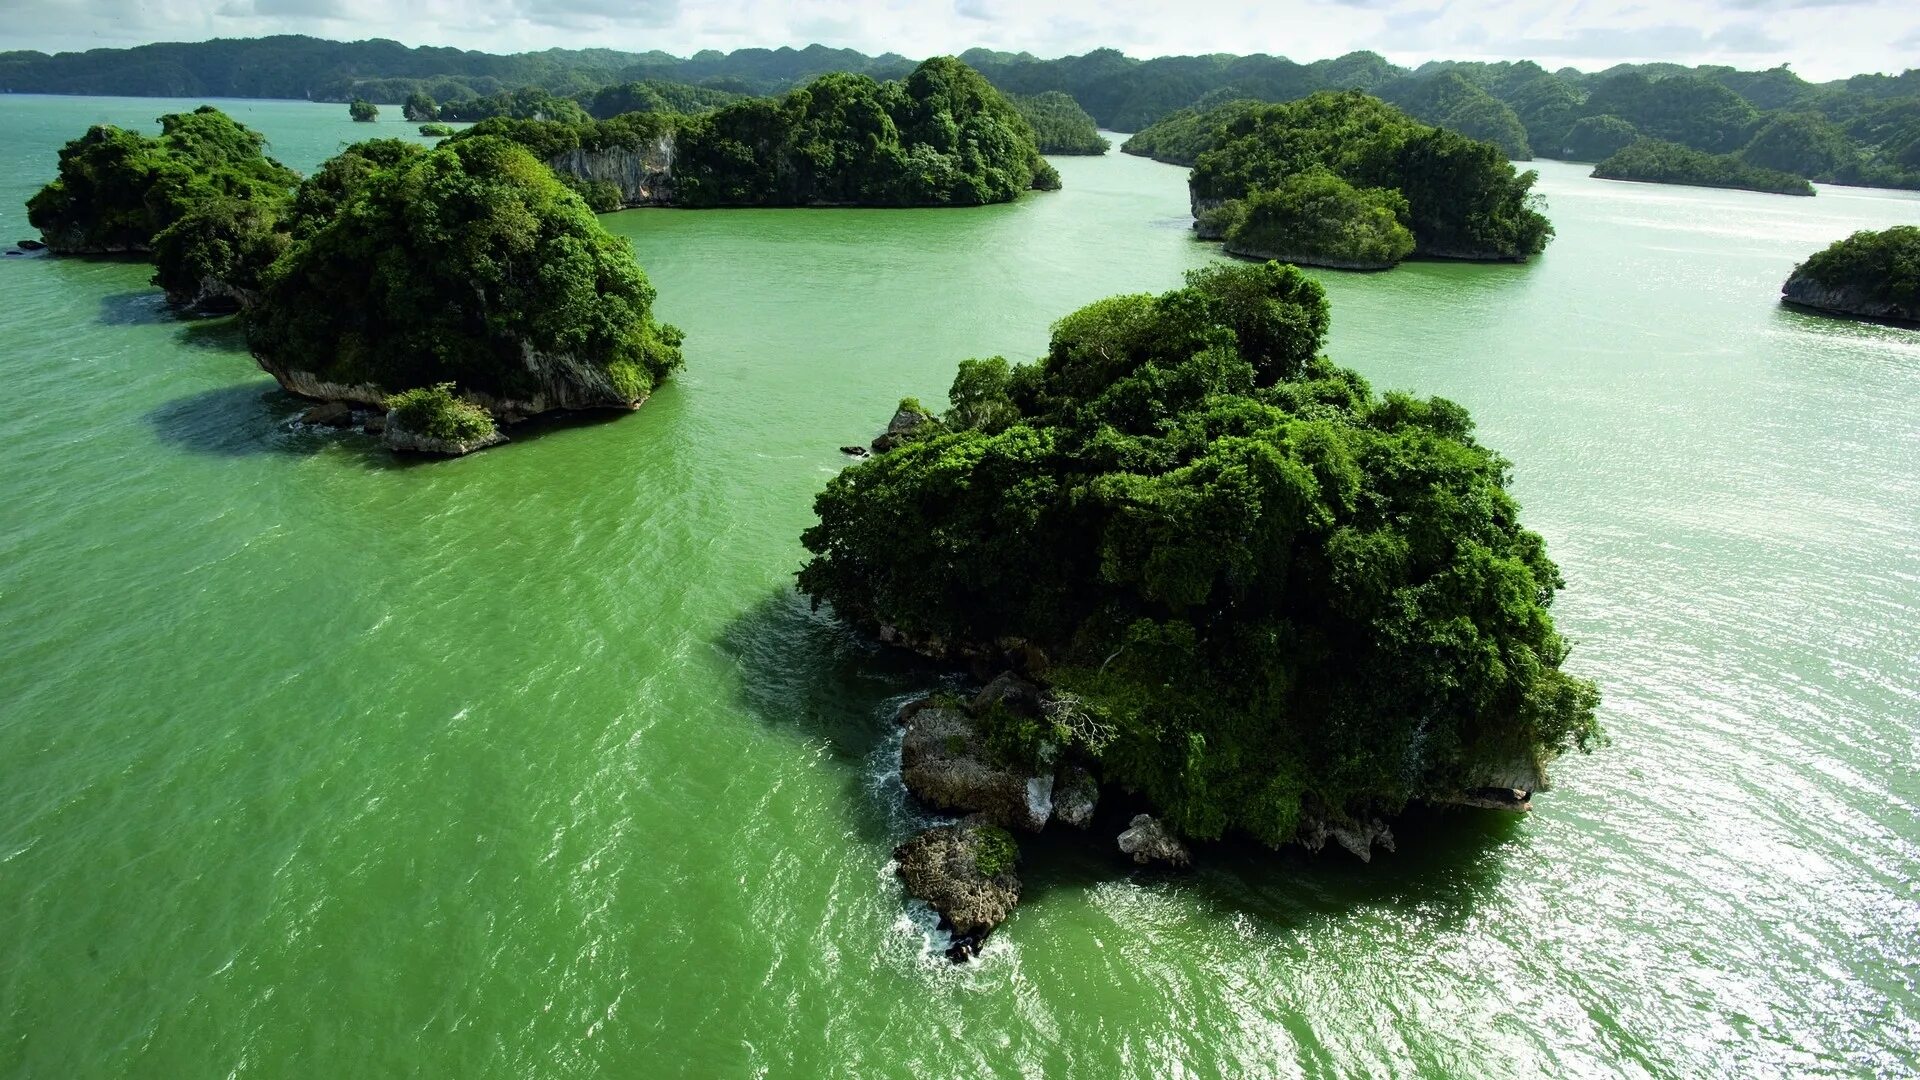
(1315, 218)
(363, 110)
(1464, 199)
(1060, 125)
(1267, 595)
(1883, 266)
(1656, 162)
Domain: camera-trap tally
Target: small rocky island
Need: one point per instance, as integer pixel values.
(1869, 275)
(350, 290)
(1348, 181)
(1207, 577)
(1651, 161)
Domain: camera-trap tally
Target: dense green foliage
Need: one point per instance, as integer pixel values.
(1883, 266)
(654, 96)
(1448, 100)
(1316, 218)
(117, 189)
(1804, 144)
(1183, 136)
(452, 265)
(364, 111)
(420, 107)
(526, 103)
(1596, 138)
(436, 412)
(941, 136)
(436, 131)
(1464, 198)
(1652, 161)
(1060, 125)
(1267, 593)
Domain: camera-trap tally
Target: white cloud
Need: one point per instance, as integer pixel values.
(1821, 38)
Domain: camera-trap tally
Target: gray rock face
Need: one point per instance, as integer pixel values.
(1009, 691)
(904, 423)
(966, 872)
(945, 763)
(1149, 841)
(214, 297)
(1802, 291)
(398, 437)
(1075, 795)
(644, 175)
(1358, 837)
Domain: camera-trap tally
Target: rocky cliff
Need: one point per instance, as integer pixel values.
(1801, 290)
(644, 174)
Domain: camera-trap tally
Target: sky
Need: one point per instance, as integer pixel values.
(1821, 39)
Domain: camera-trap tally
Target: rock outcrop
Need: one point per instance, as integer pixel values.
(1801, 290)
(1075, 795)
(336, 414)
(213, 297)
(1358, 837)
(945, 762)
(905, 422)
(966, 872)
(644, 174)
(398, 436)
(1149, 841)
(1262, 254)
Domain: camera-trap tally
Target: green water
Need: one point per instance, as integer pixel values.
(531, 764)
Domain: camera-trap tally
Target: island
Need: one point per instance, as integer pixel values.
(436, 131)
(1869, 275)
(1652, 161)
(363, 111)
(1214, 571)
(1314, 218)
(349, 290)
(1458, 197)
(1060, 125)
(943, 136)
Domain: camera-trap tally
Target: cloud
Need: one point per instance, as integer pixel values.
(1873, 35)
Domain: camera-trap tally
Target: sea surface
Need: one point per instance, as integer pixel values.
(318, 763)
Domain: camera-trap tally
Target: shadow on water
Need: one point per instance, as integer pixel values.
(802, 670)
(250, 418)
(147, 307)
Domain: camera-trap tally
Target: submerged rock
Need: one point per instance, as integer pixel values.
(30, 245)
(1149, 841)
(966, 872)
(945, 762)
(854, 451)
(329, 414)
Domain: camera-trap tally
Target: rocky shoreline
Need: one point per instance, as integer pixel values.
(1802, 291)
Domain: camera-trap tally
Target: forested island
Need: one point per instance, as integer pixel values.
(942, 136)
(1655, 162)
(1861, 130)
(1869, 275)
(1226, 577)
(348, 287)
(1346, 180)
(1060, 125)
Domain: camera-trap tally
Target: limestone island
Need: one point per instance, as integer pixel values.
(1061, 126)
(443, 292)
(1651, 161)
(1869, 275)
(1348, 181)
(943, 136)
(1205, 574)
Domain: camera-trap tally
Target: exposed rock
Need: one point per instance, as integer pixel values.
(945, 762)
(213, 297)
(966, 872)
(1075, 794)
(29, 245)
(1329, 262)
(854, 451)
(397, 437)
(329, 414)
(644, 174)
(1512, 800)
(1011, 692)
(375, 423)
(1802, 291)
(901, 428)
(1148, 841)
(561, 383)
(1359, 837)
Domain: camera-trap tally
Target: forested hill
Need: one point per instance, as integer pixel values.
(1865, 129)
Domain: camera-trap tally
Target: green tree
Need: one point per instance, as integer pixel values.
(1318, 219)
(1654, 162)
(420, 107)
(364, 111)
(1596, 138)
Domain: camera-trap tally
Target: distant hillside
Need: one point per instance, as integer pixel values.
(1864, 130)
